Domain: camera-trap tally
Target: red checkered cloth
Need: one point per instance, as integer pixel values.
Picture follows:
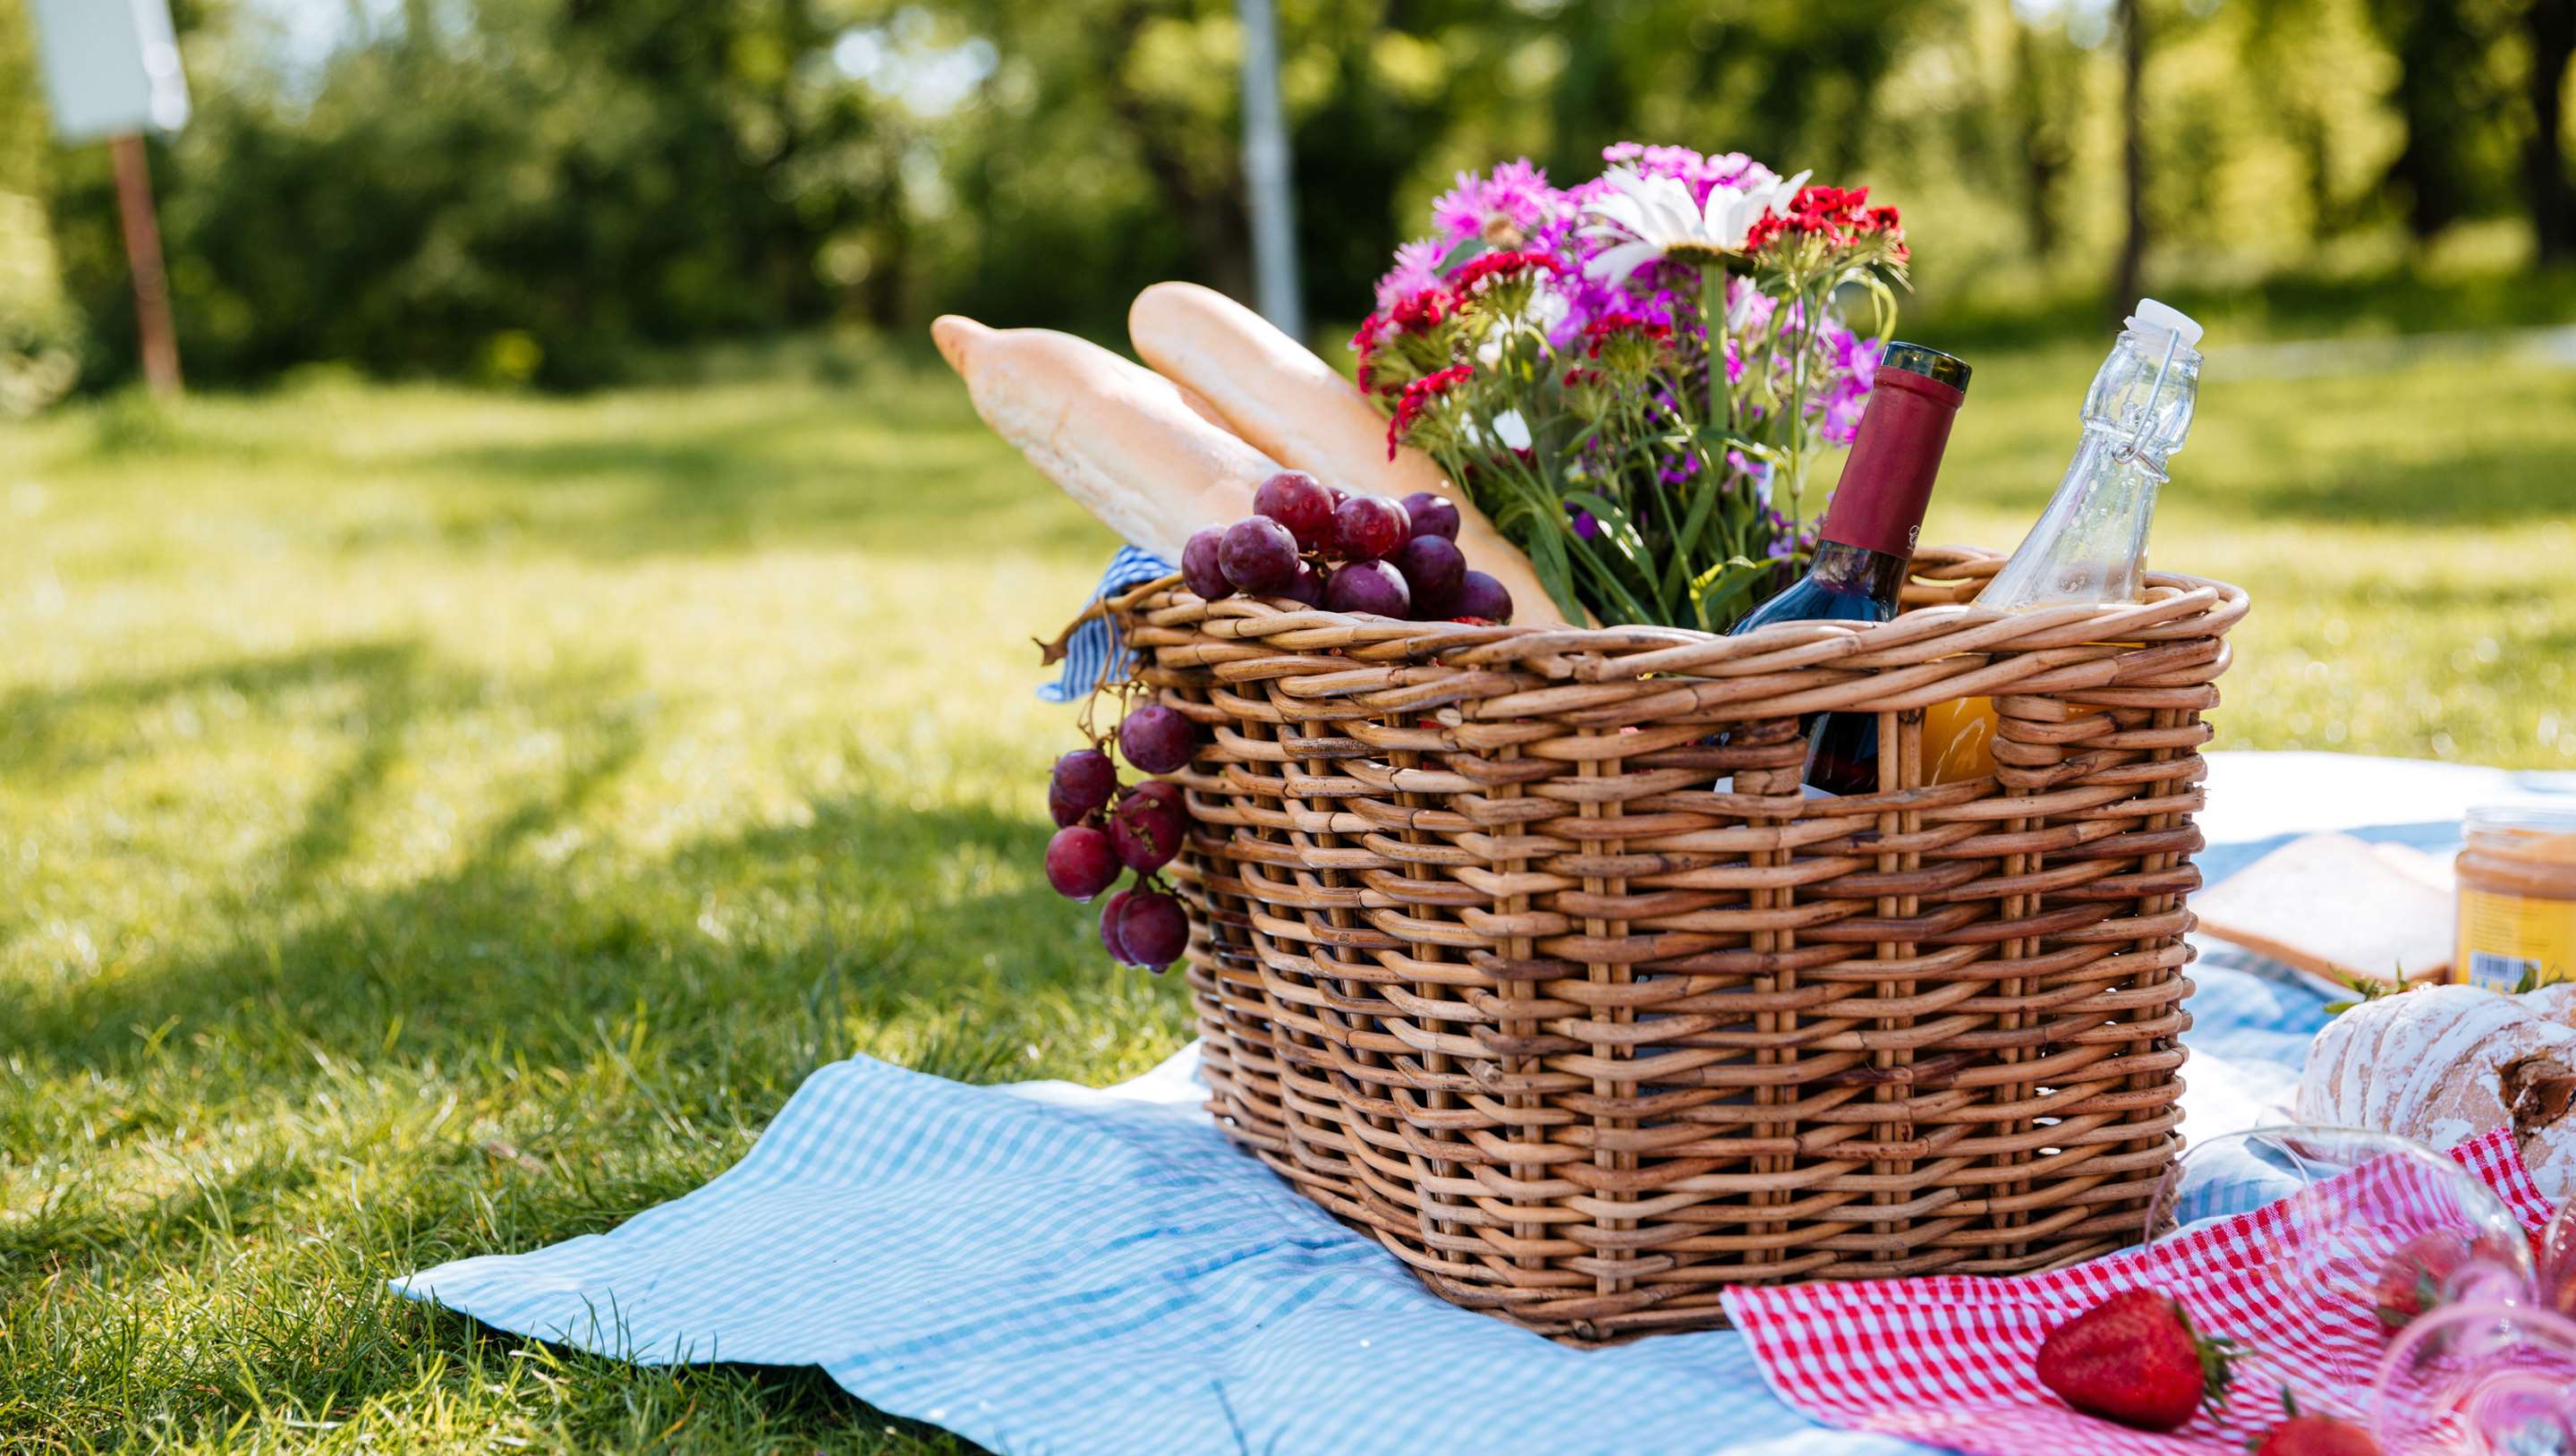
(1949, 1361)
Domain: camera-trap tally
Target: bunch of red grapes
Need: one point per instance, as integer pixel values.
(1106, 829)
(1347, 553)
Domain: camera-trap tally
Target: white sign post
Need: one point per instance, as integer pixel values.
(111, 70)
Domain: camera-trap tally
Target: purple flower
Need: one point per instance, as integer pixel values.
(1701, 174)
(1413, 271)
(1851, 367)
(1584, 524)
(1512, 208)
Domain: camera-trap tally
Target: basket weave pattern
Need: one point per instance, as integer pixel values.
(1524, 951)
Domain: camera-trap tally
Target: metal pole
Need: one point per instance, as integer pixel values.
(160, 339)
(1265, 173)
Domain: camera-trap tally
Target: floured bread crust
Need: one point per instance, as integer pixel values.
(2443, 1064)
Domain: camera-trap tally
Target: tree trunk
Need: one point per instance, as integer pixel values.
(2438, 56)
(1209, 212)
(2550, 28)
(2133, 162)
(2043, 150)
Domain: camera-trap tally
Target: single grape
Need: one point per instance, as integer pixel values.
(1157, 739)
(1433, 569)
(1298, 501)
(1161, 791)
(1259, 556)
(1153, 929)
(1109, 913)
(1200, 569)
(1082, 781)
(1145, 829)
(1368, 586)
(1080, 862)
(1308, 587)
(1338, 494)
(1368, 527)
(1064, 811)
(1432, 515)
(1482, 597)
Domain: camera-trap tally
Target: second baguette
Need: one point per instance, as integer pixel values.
(1275, 393)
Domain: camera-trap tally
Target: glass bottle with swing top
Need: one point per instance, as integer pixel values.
(2091, 543)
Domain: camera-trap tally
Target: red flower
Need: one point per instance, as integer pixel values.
(1475, 271)
(1417, 313)
(1418, 397)
(1837, 215)
(1602, 330)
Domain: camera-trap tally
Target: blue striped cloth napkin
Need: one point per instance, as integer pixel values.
(1092, 644)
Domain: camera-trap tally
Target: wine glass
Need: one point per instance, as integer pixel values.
(2315, 1247)
(2557, 1261)
(2483, 1378)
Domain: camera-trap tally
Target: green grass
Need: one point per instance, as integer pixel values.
(440, 823)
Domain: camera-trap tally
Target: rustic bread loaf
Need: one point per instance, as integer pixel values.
(2442, 1064)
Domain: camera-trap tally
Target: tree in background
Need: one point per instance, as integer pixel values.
(2441, 90)
(2128, 276)
(2549, 33)
(535, 196)
(39, 331)
(543, 189)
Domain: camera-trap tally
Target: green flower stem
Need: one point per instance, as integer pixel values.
(1795, 426)
(1712, 307)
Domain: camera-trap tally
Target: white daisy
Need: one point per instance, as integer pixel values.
(1656, 219)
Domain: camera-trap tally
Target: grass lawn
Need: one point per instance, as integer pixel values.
(440, 823)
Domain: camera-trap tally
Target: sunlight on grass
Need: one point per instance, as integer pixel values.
(443, 823)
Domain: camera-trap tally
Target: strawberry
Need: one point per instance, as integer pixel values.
(2418, 1276)
(2134, 1358)
(2302, 1435)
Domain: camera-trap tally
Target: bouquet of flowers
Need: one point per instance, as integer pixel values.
(1633, 376)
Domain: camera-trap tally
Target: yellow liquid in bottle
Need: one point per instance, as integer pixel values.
(1959, 740)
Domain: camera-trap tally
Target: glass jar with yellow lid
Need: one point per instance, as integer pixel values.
(2517, 876)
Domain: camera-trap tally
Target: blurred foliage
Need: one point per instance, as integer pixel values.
(542, 190)
(39, 332)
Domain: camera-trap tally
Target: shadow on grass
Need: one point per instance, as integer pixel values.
(2492, 486)
(533, 1044)
(507, 951)
(51, 732)
(906, 472)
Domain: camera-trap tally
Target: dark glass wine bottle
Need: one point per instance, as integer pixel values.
(1868, 537)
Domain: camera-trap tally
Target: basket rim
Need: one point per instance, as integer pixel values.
(2174, 608)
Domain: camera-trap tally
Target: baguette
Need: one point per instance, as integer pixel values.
(1147, 457)
(1272, 391)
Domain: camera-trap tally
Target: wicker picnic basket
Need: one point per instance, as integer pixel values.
(1494, 962)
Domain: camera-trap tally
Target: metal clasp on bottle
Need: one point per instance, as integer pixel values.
(2129, 446)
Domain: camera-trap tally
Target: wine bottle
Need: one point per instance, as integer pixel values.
(1868, 537)
(2091, 541)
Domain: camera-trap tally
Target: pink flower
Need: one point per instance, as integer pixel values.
(1506, 210)
(1413, 271)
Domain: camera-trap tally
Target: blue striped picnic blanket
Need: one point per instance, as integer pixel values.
(1047, 1268)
